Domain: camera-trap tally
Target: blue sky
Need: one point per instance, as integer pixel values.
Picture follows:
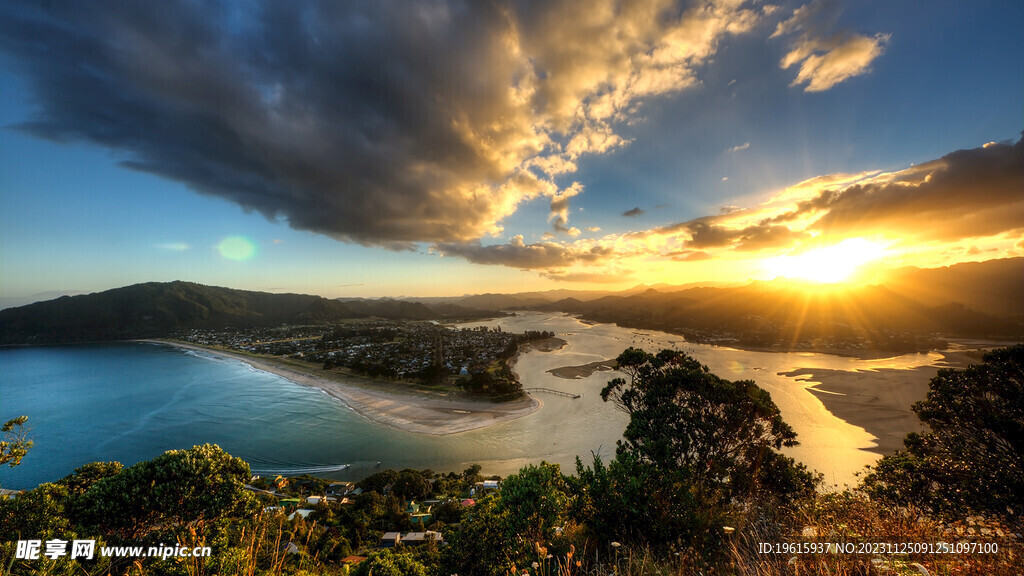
(442, 148)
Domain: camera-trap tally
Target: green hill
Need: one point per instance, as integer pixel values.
(157, 309)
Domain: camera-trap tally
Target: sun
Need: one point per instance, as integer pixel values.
(828, 265)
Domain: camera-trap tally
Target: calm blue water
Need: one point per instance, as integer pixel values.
(132, 401)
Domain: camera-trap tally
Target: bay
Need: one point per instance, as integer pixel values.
(132, 401)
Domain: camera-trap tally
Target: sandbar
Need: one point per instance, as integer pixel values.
(879, 404)
(420, 413)
(583, 370)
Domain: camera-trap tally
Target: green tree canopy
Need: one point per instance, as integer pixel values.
(379, 482)
(388, 563)
(504, 531)
(696, 449)
(972, 459)
(180, 487)
(411, 485)
(79, 481)
(714, 433)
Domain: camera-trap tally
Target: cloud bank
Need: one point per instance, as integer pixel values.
(384, 123)
(965, 196)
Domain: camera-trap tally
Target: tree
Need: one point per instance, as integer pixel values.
(181, 487)
(480, 546)
(387, 563)
(411, 485)
(15, 444)
(472, 475)
(697, 449)
(536, 499)
(79, 481)
(36, 513)
(506, 531)
(719, 435)
(379, 482)
(972, 459)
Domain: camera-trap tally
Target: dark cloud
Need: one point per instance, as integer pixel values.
(386, 123)
(965, 194)
(633, 212)
(517, 254)
(327, 114)
(705, 233)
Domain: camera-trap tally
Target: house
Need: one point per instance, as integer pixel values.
(390, 539)
(303, 513)
(417, 538)
(340, 488)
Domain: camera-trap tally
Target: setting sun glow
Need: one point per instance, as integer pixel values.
(832, 264)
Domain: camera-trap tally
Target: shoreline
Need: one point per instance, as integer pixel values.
(883, 407)
(419, 413)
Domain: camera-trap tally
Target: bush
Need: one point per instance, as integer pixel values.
(972, 459)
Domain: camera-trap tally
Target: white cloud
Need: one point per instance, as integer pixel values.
(825, 58)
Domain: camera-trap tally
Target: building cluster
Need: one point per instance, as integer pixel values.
(421, 350)
(389, 349)
(292, 503)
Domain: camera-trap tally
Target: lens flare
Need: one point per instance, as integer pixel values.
(236, 248)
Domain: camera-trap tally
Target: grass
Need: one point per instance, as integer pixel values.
(875, 532)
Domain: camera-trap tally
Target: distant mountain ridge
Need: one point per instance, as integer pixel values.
(158, 309)
(974, 300)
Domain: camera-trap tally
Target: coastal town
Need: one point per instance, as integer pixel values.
(424, 352)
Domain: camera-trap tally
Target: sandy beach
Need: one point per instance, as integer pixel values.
(420, 413)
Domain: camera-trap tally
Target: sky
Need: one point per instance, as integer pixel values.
(433, 148)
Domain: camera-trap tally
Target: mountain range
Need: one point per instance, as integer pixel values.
(912, 310)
